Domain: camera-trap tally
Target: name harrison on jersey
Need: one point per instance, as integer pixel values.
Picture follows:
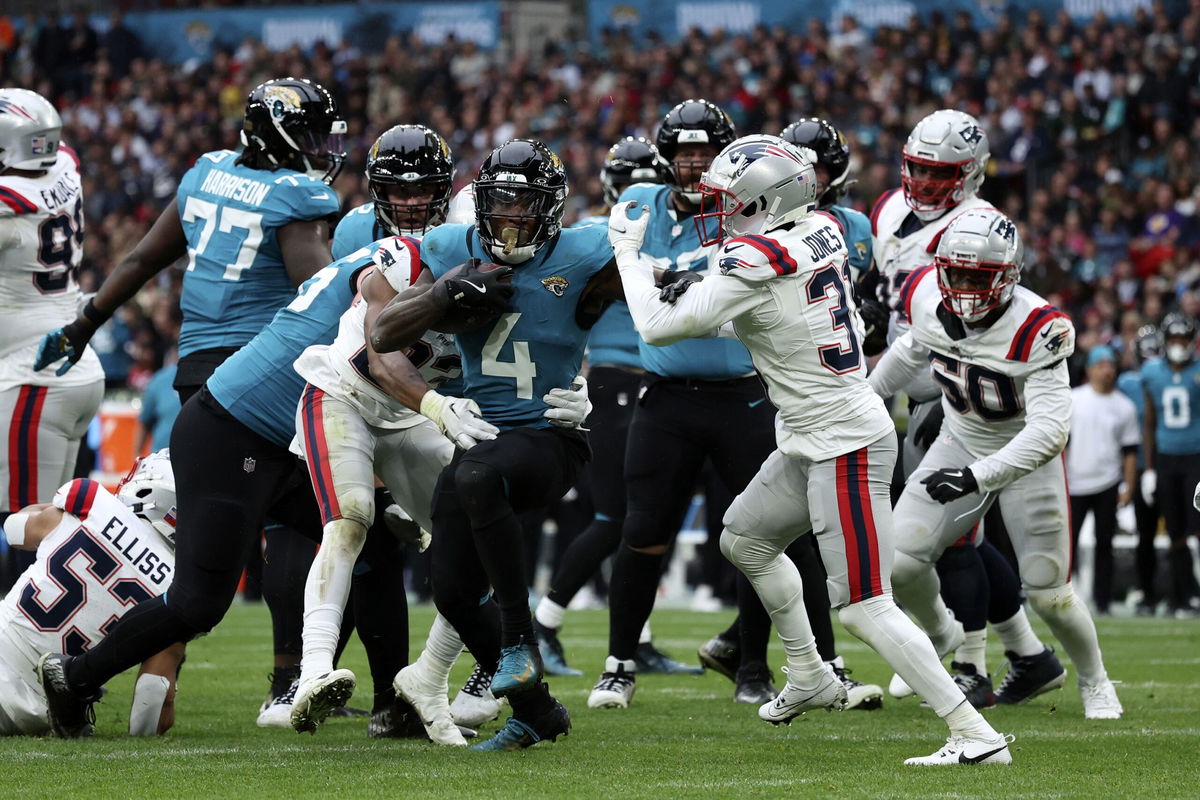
(235, 187)
(147, 562)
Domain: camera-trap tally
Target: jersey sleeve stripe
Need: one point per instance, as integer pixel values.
(878, 209)
(22, 447)
(1023, 342)
(316, 451)
(16, 202)
(414, 260)
(836, 221)
(777, 257)
(80, 498)
(909, 289)
(70, 151)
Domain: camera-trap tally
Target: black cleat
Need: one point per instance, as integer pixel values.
(754, 685)
(652, 661)
(517, 734)
(1029, 676)
(977, 688)
(396, 721)
(552, 652)
(70, 716)
(721, 655)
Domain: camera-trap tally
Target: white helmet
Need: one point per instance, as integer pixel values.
(755, 185)
(979, 259)
(30, 130)
(149, 491)
(943, 162)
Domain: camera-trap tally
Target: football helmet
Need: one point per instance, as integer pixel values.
(519, 198)
(943, 162)
(1178, 325)
(979, 259)
(418, 159)
(692, 122)
(755, 185)
(634, 159)
(149, 491)
(293, 123)
(30, 130)
(825, 146)
(1149, 343)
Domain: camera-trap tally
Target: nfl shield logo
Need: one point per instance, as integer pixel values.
(248, 465)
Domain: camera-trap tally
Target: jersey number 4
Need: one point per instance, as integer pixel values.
(826, 285)
(224, 219)
(71, 580)
(521, 368)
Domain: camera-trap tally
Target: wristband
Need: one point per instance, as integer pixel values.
(93, 314)
(431, 406)
(14, 528)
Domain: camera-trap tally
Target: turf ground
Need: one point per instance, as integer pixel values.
(683, 737)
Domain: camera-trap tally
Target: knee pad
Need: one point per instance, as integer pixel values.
(343, 539)
(748, 554)
(481, 491)
(640, 532)
(906, 569)
(357, 504)
(199, 614)
(1042, 570)
(1052, 602)
(859, 617)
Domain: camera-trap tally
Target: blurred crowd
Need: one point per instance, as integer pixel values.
(1093, 129)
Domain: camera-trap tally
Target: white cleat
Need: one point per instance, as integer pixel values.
(961, 750)
(277, 712)
(793, 701)
(317, 698)
(475, 704)
(616, 685)
(944, 645)
(432, 705)
(1100, 700)
(898, 689)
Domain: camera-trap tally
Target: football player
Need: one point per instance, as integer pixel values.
(1172, 441)
(97, 555)
(253, 226)
(1147, 346)
(784, 285)
(42, 416)
(999, 353)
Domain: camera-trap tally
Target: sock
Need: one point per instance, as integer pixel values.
(146, 629)
(631, 598)
(500, 549)
(582, 558)
(550, 613)
(325, 595)
(964, 720)
(974, 651)
(1017, 636)
(1071, 623)
(381, 607)
(755, 620)
(644, 637)
(442, 648)
(734, 632)
(1004, 586)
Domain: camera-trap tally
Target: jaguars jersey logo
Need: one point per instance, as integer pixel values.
(281, 100)
(556, 285)
(861, 249)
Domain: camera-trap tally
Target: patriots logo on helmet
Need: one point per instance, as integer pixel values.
(9, 107)
(971, 134)
(1006, 229)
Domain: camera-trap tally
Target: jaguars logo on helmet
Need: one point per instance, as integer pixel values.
(293, 123)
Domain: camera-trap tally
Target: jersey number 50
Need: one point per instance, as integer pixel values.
(972, 388)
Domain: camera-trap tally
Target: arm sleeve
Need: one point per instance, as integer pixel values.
(902, 362)
(1047, 425)
(1131, 434)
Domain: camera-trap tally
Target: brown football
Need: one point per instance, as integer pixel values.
(461, 320)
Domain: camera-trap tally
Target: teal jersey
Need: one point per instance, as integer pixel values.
(509, 365)
(673, 243)
(258, 384)
(1130, 384)
(613, 340)
(856, 229)
(357, 229)
(1176, 398)
(160, 406)
(231, 214)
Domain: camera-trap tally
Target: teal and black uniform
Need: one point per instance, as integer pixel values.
(359, 227)
(856, 228)
(1145, 515)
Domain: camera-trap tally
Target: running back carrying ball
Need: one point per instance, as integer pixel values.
(475, 293)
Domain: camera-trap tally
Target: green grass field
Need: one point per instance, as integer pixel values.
(683, 737)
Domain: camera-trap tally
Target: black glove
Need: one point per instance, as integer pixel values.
(927, 432)
(479, 291)
(875, 317)
(950, 484)
(675, 282)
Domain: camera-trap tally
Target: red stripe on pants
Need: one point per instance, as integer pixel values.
(847, 521)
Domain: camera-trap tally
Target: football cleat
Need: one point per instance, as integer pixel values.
(431, 704)
(315, 699)
(1029, 676)
(649, 660)
(398, 720)
(794, 701)
(277, 712)
(616, 685)
(517, 734)
(1100, 700)
(721, 655)
(976, 687)
(475, 704)
(552, 652)
(898, 688)
(860, 696)
(753, 685)
(70, 716)
(961, 750)
(519, 670)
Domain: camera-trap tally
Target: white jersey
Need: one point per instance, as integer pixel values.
(1005, 389)
(41, 247)
(902, 246)
(96, 564)
(789, 298)
(341, 369)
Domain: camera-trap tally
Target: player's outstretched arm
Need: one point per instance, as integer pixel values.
(899, 365)
(304, 245)
(405, 317)
(25, 529)
(393, 370)
(153, 709)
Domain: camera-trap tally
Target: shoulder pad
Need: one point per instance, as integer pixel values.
(908, 290)
(398, 261)
(76, 498)
(307, 196)
(1044, 338)
(13, 203)
(755, 258)
(878, 209)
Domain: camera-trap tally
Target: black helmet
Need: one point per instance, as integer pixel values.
(824, 145)
(410, 156)
(634, 159)
(293, 123)
(521, 180)
(693, 122)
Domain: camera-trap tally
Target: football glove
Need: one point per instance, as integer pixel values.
(569, 408)
(479, 291)
(625, 232)
(1196, 498)
(675, 283)
(927, 432)
(459, 419)
(1149, 486)
(875, 317)
(66, 342)
(946, 485)
(402, 526)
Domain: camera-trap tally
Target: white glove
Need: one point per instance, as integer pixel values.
(569, 408)
(625, 233)
(1196, 498)
(1149, 486)
(458, 418)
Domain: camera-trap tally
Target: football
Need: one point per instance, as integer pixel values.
(461, 320)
